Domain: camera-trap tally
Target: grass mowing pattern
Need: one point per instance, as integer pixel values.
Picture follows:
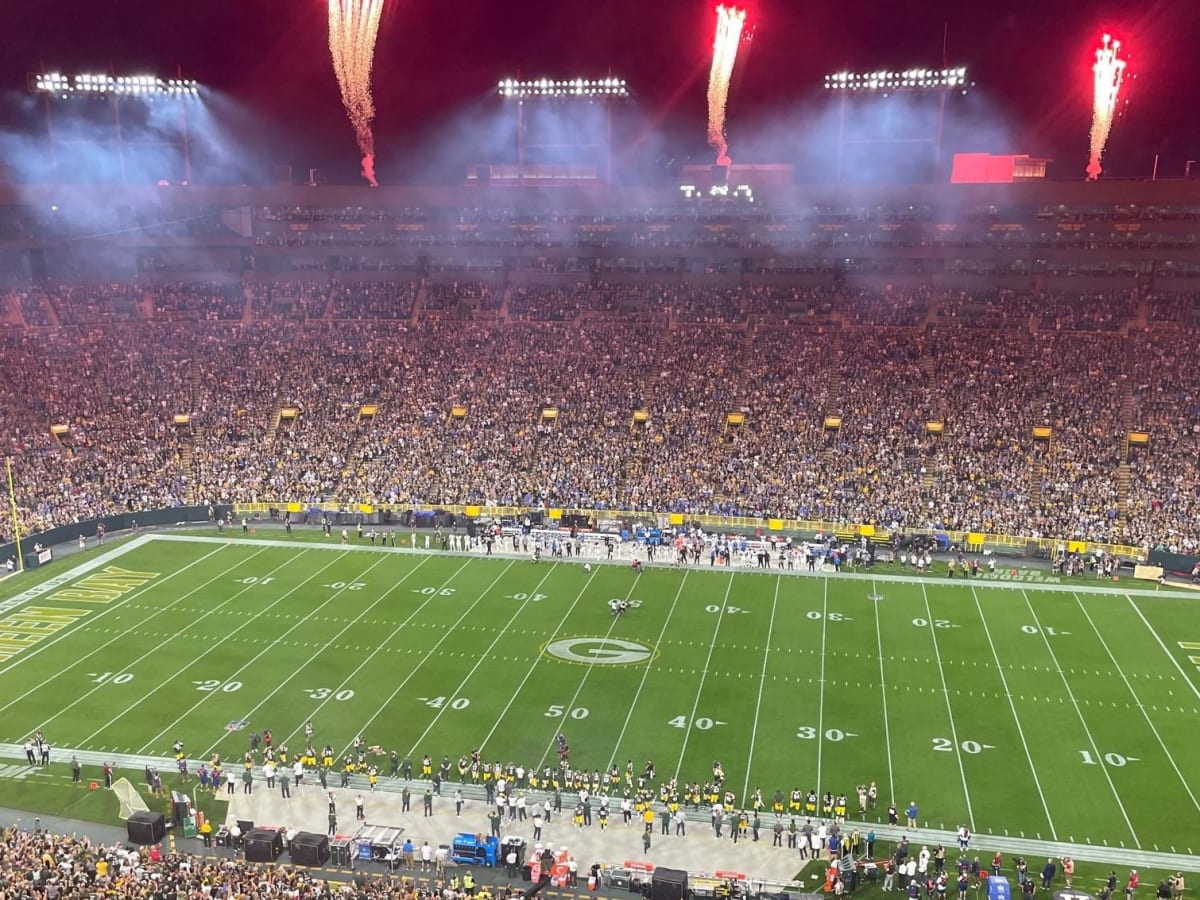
(1024, 712)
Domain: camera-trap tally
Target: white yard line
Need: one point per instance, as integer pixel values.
(1016, 718)
(586, 673)
(289, 681)
(91, 565)
(937, 654)
(530, 670)
(646, 671)
(123, 636)
(1171, 656)
(762, 680)
(1140, 705)
(378, 649)
(887, 734)
(428, 655)
(157, 649)
(269, 647)
(821, 686)
(691, 722)
(483, 657)
(1087, 731)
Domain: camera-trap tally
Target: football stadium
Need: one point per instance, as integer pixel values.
(812, 511)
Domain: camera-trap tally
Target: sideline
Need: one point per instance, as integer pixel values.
(1012, 584)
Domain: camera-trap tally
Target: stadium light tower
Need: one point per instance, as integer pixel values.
(55, 87)
(889, 81)
(605, 90)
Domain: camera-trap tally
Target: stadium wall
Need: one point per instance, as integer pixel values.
(65, 534)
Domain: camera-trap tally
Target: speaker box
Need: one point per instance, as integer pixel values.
(669, 884)
(263, 845)
(146, 827)
(310, 849)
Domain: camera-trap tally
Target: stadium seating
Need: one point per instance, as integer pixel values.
(936, 397)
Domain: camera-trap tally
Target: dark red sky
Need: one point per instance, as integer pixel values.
(1029, 57)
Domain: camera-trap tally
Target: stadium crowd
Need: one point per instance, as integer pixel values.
(115, 363)
(61, 867)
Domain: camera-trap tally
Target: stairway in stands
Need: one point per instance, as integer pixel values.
(508, 292)
(273, 428)
(193, 437)
(419, 304)
(353, 458)
(1124, 471)
(51, 312)
(247, 306)
(12, 310)
(831, 400)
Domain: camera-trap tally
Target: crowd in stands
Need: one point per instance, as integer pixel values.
(41, 864)
(886, 364)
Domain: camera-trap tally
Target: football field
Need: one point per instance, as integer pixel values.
(1044, 712)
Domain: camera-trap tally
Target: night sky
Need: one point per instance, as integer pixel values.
(1029, 58)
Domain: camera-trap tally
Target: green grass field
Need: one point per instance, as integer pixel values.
(1032, 712)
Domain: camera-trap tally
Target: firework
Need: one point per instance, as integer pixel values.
(725, 48)
(353, 27)
(1108, 73)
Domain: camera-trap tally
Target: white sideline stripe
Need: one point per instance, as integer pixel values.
(821, 687)
(269, 647)
(329, 643)
(483, 656)
(748, 570)
(120, 635)
(587, 673)
(646, 671)
(887, 733)
(1140, 705)
(58, 581)
(937, 655)
(430, 652)
(762, 680)
(1096, 755)
(1171, 656)
(690, 724)
(529, 671)
(387, 640)
(1016, 718)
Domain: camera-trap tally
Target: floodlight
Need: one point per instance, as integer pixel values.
(886, 80)
(511, 88)
(92, 83)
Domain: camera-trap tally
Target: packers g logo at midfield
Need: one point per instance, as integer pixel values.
(594, 651)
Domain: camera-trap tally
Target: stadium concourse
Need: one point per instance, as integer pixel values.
(115, 363)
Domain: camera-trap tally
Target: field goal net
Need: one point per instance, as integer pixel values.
(131, 801)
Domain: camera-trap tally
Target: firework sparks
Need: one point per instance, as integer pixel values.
(725, 48)
(1108, 73)
(353, 27)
